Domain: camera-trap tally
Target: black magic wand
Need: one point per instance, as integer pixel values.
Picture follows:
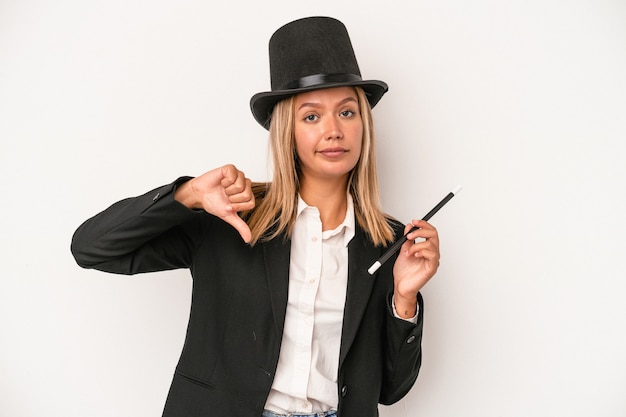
(396, 246)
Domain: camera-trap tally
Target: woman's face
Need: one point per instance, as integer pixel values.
(328, 132)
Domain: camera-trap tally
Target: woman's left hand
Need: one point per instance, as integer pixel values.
(415, 265)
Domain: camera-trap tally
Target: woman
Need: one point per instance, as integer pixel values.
(285, 319)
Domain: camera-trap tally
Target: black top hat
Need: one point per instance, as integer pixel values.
(310, 54)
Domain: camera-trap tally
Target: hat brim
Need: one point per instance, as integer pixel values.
(262, 104)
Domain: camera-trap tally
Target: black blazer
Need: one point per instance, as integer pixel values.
(238, 308)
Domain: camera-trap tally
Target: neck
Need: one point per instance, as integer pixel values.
(329, 198)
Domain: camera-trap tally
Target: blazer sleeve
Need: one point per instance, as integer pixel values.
(151, 232)
(404, 354)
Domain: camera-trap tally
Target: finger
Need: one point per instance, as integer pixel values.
(240, 191)
(241, 199)
(244, 206)
(241, 226)
(235, 186)
(418, 225)
(243, 196)
(425, 253)
(422, 224)
(423, 234)
(420, 247)
(229, 175)
(431, 260)
(425, 230)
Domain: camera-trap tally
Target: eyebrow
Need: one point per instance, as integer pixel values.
(317, 105)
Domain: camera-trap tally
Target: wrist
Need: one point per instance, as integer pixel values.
(406, 307)
(185, 195)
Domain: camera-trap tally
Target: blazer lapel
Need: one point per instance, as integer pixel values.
(276, 254)
(361, 254)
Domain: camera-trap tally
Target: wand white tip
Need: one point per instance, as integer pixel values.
(374, 267)
(457, 189)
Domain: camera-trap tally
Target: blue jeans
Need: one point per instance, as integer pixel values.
(332, 413)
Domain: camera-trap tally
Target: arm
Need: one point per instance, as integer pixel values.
(158, 230)
(124, 238)
(414, 266)
(404, 354)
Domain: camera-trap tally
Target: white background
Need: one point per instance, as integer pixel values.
(522, 102)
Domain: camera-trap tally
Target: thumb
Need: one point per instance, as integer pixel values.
(242, 227)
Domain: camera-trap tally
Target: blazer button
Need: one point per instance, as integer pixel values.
(344, 391)
(410, 339)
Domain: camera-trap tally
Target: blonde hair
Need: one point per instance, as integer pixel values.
(277, 201)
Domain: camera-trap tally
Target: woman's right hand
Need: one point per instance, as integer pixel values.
(222, 192)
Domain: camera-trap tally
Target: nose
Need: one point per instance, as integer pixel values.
(332, 129)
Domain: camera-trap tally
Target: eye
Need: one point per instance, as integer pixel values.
(347, 113)
(310, 117)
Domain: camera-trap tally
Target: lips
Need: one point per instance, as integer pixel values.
(333, 152)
